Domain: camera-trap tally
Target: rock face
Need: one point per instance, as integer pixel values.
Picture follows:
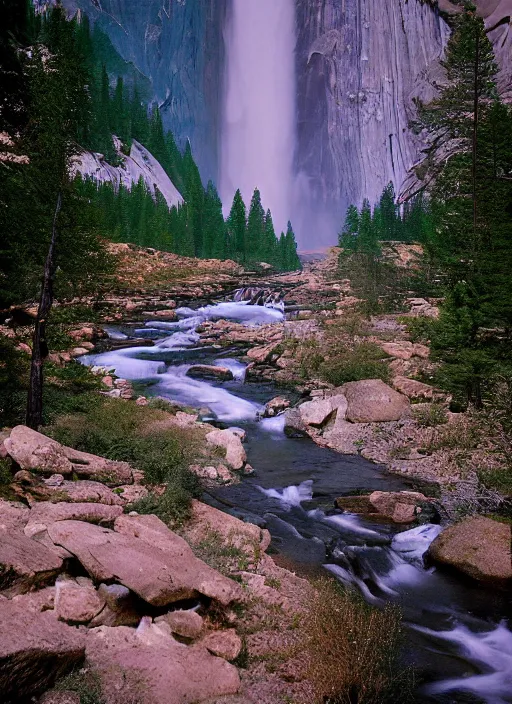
(145, 556)
(35, 649)
(36, 452)
(477, 546)
(373, 401)
(360, 64)
(178, 46)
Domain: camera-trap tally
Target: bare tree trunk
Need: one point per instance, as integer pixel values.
(39, 346)
(476, 97)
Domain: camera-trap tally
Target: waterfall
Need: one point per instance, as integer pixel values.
(258, 131)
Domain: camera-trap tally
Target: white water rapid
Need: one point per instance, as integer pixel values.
(258, 132)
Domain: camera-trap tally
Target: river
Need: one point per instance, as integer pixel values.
(458, 632)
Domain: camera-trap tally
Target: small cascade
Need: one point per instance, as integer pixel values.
(255, 296)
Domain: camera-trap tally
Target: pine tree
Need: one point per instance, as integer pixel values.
(237, 226)
(348, 235)
(194, 195)
(139, 119)
(214, 239)
(269, 249)
(255, 227)
(388, 221)
(120, 120)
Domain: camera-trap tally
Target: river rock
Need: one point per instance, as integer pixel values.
(146, 557)
(294, 426)
(35, 650)
(373, 401)
(235, 453)
(36, 452)
(187, 624)
(261, 354)
(478, 547)
(318, 411)
(152, 665)
(276, 406)
(396, 506)
(225, 644)
(75, 603)
(25, 563)
(207, 371)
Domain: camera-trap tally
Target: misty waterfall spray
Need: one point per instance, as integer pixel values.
(258, 133)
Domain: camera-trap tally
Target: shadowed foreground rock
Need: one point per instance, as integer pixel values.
(477, 546)
(148, 665)
(35, 649)
(25, 563)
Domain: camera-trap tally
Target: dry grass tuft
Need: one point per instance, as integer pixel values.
(354, 650)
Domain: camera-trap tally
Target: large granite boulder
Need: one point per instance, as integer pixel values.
(25, 563)
(235, 454)
(13, 514)
(35, 649)
(150, 665)
(294, 426)
(144, 556)
(373, 401)
(36, 452)
(46, 513)
(478, 547)
(76, 603)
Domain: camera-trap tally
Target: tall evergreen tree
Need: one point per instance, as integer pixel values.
(214, 240)
(255, 227)
(237, 227)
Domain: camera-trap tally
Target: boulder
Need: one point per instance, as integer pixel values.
(373, 401)
(207, 371)
(261, 354)
(46, 513)
(36, 452)
(87, 492)
(35, 650)
(413, 389)
(225, 644)
(318, 411)
(294, 426)
(478, 547)
(235, 453)
(144, 556)
(396, 506)
(38, 601)
(187, 624)
(25, 563)
(399, 350)
(150, 666)
(276, 406)
(13, 514)
(205, 520)
(120, 607)
(75, 603)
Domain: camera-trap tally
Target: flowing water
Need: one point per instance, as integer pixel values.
(458, 633)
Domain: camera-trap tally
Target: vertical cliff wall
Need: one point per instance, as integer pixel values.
(178, 45)
(360, 64)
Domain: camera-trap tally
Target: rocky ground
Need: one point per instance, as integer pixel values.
(137, 610)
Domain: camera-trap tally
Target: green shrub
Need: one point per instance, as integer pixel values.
(364, 361)
(173, 506)
(420, 329)
(85, 683)
(430, 415)
(76, 313)
(142, 436)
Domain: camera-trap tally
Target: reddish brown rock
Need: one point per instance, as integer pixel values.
(478, 547)
(225, 644)
(35, 650)
(373, 401)
(25, 563)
